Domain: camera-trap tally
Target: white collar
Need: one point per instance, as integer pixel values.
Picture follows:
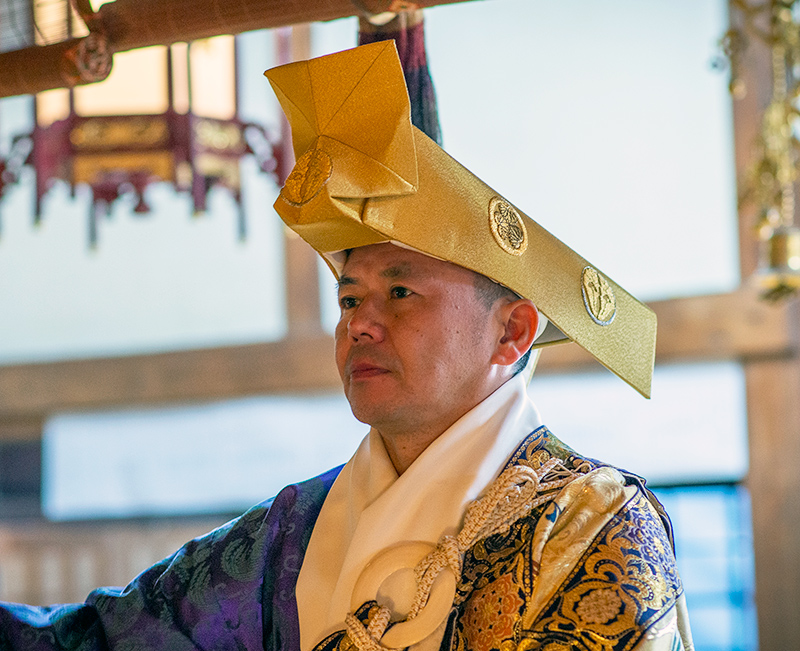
(370, 507)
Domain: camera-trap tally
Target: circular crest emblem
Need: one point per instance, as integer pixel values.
(598, 297)
(311, 171)
(507, 227)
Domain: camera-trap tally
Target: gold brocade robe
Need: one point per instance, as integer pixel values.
(594, 569)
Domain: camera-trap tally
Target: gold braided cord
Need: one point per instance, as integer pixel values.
(366, 638)
(513, 495)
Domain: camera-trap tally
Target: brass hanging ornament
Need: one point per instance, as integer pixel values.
(771, 183)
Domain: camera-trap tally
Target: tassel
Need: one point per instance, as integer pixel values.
(407, 28)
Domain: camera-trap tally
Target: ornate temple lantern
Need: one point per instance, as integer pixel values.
(163, 114)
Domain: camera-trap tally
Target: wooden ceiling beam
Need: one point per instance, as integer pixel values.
(734, 326)
(132, 24)
(288, 366)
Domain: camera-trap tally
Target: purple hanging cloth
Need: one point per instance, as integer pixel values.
(407, 28)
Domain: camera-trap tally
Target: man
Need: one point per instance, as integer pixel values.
(461, 522)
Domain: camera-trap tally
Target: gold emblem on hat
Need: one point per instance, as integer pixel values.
(507, 227)
(598, 297)
(310, 173)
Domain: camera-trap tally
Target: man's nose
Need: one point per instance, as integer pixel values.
(367, 320)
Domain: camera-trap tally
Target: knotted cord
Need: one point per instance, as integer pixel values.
(515, 493)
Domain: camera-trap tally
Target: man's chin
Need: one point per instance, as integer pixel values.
(370, 417)
(374, 413)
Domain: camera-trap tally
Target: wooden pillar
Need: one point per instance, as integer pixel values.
(773, 399)
(301, 280)
(755, 75)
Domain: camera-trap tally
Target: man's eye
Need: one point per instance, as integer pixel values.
(347, 302)
(400, 292)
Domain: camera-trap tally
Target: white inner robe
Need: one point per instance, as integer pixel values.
(370, 507)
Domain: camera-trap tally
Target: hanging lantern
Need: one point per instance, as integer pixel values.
(163, 114)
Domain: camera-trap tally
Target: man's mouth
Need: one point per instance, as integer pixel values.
(365, 370)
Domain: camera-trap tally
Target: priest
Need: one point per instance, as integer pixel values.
(461, 522)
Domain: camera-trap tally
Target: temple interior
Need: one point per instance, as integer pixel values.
(166, 344)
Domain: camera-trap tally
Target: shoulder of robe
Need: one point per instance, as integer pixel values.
(594, 568)
(211, 590)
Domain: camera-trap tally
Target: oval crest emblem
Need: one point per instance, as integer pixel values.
(311, 171)
(598, 297)
(507, 227)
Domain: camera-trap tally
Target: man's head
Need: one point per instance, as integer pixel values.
(364, 175)
(421, 341)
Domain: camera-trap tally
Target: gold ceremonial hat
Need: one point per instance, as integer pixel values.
(365, 175)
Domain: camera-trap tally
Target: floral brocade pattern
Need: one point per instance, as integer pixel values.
(624, 582)
(492, 613)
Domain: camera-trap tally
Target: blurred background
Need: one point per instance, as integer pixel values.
(165, 344)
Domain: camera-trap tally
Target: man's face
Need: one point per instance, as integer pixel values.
(414, 342)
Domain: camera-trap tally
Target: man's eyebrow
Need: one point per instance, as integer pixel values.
(403, 270)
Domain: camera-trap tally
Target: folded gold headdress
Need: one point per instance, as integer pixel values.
(365, 175)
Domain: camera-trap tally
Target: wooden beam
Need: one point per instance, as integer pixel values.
(21, 429)
(722, 326)
(43, 67)
(139, 23)
(133, 24)
(728, 326)
(291, 365)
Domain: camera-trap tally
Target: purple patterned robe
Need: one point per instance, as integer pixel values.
(230, 589)
(234, 589)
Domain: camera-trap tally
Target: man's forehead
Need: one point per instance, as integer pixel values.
(391, 261)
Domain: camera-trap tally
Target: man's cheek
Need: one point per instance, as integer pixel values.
(340, 355)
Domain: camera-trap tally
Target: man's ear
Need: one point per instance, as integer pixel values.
(520, 320)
